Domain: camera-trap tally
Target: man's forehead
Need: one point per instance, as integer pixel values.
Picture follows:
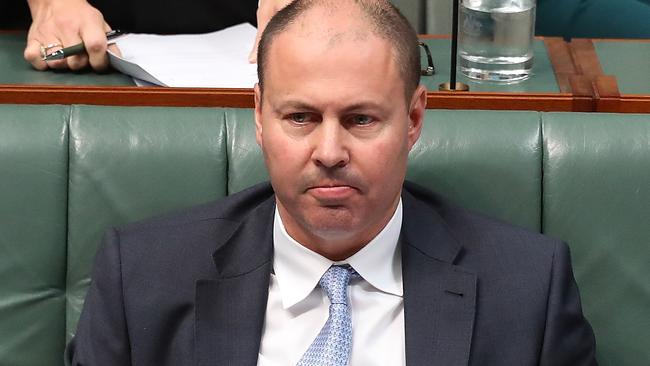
(367, 56)
(331, 25)
(327, 45)
(321, 30)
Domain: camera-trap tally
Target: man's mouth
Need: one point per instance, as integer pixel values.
(332, 192)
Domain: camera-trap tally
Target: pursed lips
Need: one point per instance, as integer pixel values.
(332, 192)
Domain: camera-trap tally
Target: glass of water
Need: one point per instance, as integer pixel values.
(495, 39)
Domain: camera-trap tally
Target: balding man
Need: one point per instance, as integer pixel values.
(337, 261)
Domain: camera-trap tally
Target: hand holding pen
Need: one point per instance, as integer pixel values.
(77, 49)
(64, 23)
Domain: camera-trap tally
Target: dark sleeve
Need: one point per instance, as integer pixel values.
(102, 337)
(568, 337)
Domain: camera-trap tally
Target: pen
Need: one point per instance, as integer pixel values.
(77, 49)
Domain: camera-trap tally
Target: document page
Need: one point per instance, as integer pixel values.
(212, 60)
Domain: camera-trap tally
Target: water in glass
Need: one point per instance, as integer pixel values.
(496, 39)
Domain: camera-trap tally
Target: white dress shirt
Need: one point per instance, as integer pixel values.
(297, 308)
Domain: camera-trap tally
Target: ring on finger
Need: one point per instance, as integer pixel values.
(44, 49)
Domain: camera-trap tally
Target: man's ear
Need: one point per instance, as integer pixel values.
(258, 114)
(417, 107)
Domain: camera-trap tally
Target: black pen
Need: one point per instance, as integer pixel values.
(77, 49)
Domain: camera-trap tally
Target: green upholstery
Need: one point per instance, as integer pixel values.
(33, 190)
(130, 163)
(246, 164)
(68, 172)
(597, 197)
(451, 158)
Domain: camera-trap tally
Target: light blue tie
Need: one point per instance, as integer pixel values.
(333, 344)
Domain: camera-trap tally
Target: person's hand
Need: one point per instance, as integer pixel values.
(64, 23)
(266, 9)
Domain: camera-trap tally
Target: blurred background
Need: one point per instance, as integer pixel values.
(559, 18)
(563, 18)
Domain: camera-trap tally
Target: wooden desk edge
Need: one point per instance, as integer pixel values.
(126, 96)
(634, 103)
(243, 98)
(543, 102)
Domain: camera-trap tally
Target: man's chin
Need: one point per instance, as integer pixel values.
(331, 233)
(335, 243)
(338, 224)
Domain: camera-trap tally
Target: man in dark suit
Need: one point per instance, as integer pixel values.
(405, 278)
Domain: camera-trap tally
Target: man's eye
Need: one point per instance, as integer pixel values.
(299, 117)
(361, 119)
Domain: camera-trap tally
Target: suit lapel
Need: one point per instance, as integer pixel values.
(439, 297)
(229, 313)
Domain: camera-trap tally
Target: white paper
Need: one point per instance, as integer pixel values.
(212, 60)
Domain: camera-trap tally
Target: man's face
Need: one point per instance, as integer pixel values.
(335, 130)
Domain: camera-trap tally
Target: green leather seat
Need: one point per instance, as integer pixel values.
(130, 163)
(246, 163)
(597, 198)
(485, 161)
(33, 199)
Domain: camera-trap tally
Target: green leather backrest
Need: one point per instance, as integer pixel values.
(33, 194)
(597, 198)
(482, 160)
(130, 163)
(246, 163)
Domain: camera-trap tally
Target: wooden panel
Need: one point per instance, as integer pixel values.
(585, 57)
(634, 104)
(608, 98)
(126, 96)
(243, 98)
(591, 79)
(508, 101)
(560, 54)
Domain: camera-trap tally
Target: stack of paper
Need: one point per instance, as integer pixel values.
(211, 60)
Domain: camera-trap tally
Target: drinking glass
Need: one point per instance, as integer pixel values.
(496, 39)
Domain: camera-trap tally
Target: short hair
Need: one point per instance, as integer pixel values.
(385, 21)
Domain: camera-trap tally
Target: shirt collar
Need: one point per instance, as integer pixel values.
(298, 269)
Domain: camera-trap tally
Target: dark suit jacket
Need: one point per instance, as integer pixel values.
(191, 289)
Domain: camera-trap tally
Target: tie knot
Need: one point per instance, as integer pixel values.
(335, 283)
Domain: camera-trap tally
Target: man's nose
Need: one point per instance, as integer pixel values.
(330, 148)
